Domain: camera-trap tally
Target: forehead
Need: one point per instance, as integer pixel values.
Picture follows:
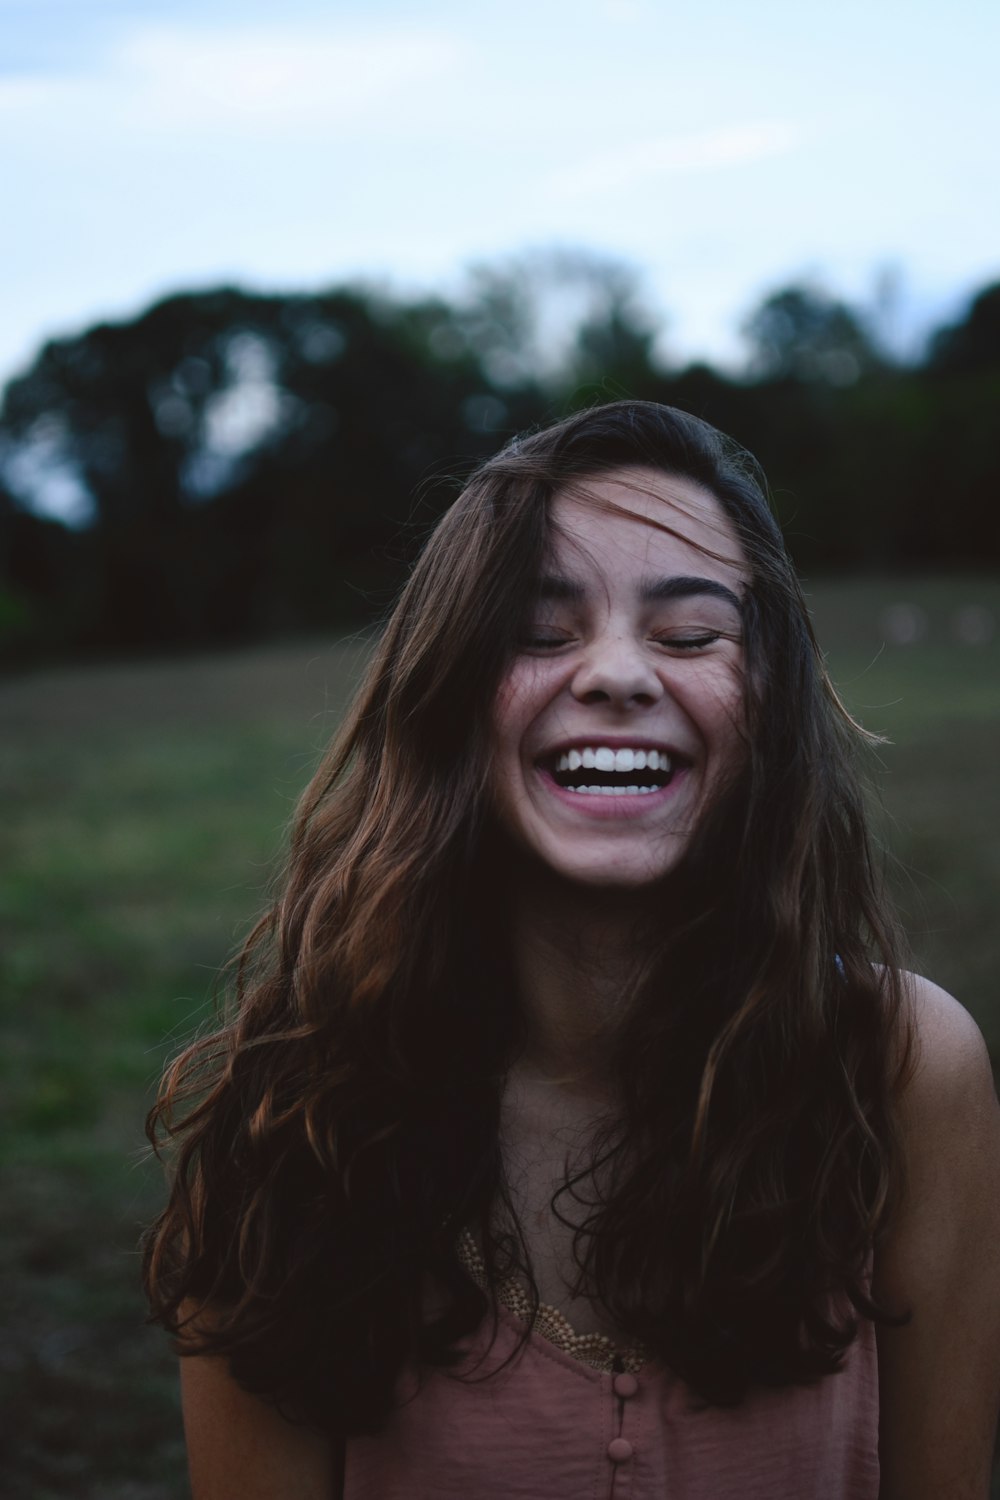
(639, 518)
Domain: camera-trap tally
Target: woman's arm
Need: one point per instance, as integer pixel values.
(239, 1448)
(939, 1376)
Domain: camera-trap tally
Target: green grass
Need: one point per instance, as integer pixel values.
(144, 807)
(938, 703)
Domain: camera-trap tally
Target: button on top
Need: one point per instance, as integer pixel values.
(625, 1386)
(619, 1450)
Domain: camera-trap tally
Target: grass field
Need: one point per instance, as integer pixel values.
(144, 805)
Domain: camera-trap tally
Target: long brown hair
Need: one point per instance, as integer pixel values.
(333, 1137)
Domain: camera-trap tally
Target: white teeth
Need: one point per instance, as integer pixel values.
(612, 791)
(604, 758)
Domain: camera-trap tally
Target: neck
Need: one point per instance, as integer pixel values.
(574, 952)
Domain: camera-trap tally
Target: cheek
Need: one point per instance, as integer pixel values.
(721, 711)
(502, 721)
(507, 724)
(503, 704)
(518, 701)
(731, 730)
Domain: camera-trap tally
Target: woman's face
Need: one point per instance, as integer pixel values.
(621, 717)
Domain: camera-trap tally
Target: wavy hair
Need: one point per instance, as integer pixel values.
(332, 1138)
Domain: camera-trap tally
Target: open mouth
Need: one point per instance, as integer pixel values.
(599, 770)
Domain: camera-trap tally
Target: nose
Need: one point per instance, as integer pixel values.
(616, 669)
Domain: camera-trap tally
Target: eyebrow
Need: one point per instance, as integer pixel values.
(556, 587)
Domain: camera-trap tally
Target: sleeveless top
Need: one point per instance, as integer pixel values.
(571, 1418)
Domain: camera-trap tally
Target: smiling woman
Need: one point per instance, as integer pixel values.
(577, 1130)
(630, 661)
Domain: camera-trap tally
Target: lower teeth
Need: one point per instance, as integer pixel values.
(613, 791)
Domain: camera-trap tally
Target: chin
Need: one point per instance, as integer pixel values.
(597, 875)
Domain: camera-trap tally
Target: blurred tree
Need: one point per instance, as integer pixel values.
(550, 321)
(952, 508)
(383, 400)
(973, 344)
(801, 333)
(236, 463)
(125, 409)
(238, 450)
(614, 345)
(45, 582)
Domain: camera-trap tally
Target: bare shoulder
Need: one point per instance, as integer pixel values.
(951, 1072)
(240, 1448)
(939, 1371)
(948, 1111)
(941, 1020)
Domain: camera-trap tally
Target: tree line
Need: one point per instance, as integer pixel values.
(230, 465)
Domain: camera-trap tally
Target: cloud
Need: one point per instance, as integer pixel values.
(623, 11)
(271, 77)
(705, 151)
(248, 78)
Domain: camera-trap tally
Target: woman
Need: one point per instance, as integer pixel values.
(577, 1132)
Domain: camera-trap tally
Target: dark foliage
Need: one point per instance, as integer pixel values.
(249, 464)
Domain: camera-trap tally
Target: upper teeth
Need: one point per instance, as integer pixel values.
(603, 758)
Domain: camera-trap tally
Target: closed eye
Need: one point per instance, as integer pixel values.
(690, 642)
(543, 642)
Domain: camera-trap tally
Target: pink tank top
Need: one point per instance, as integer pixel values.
(549, 1427)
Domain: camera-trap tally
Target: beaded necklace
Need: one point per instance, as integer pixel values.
(594, 1349)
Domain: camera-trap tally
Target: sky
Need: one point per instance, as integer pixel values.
(721, 148)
